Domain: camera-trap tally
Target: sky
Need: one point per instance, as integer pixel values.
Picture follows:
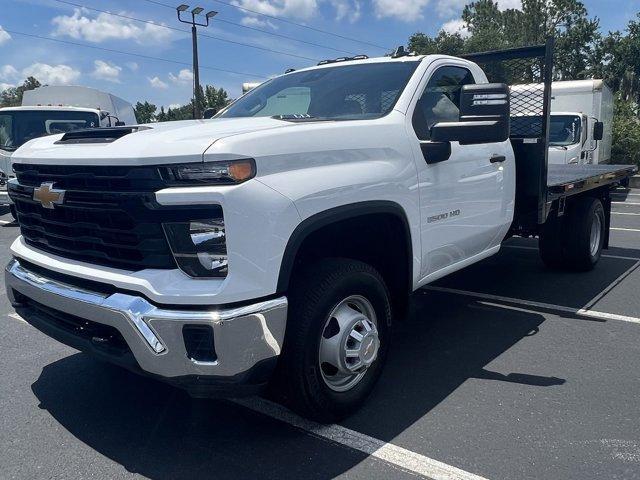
(138, 50)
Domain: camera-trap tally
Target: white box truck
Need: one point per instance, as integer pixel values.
(57, 109)
(580, 124)
(577, 107)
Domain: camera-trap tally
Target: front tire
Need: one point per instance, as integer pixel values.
(337, 339)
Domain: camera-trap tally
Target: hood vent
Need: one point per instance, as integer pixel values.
(97, 135)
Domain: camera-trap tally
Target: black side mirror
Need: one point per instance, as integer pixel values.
(484, 116)
(598, 131)
(119, 124)
(209, 113)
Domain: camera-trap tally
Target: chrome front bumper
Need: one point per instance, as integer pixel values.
(244, 337)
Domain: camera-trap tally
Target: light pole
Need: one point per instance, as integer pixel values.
(194, 38)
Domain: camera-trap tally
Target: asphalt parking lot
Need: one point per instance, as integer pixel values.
(504, 370)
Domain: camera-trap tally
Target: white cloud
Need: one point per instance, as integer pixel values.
(345, 9)
(4, 36)
(449, 8)
(456, 26)
(173, 106)
(8, 72)
(255, 21)
(410, 10)
(506, 4)
(304, 9)
(107, 27)
(157, 83)
(184, 76)
(106, 71)
(52, 74)
(4, 86)
(404, 10)
(133, 66)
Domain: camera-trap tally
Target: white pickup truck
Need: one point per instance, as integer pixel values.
(278, 242)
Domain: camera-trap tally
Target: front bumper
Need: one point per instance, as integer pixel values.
(247, 339)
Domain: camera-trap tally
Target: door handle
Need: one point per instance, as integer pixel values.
(498, 159)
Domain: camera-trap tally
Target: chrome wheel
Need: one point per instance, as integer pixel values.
(596, 234)
(349, 344)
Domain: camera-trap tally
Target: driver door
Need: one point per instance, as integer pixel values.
(466, 191)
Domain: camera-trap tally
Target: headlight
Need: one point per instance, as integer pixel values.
(210, 173)
(199, 247)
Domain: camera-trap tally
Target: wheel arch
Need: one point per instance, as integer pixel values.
(350, 217)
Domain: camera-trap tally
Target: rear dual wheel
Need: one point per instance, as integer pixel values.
(575, 240)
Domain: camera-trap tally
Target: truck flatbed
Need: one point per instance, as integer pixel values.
(565, 180)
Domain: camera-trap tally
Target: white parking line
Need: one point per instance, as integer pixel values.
(611, 286)
(625, 229)
(4, 222)
(539, 305)
(605, 255)
(15, 316)
(624, 203)
(624, 213)
(397, 456)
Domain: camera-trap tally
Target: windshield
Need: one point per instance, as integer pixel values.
(348, 92)
(20, 126)
(564, 130)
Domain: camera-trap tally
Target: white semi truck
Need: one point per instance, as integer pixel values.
(277, 243)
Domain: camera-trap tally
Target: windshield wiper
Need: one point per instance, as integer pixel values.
(299, 117)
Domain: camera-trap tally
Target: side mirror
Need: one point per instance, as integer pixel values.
(598, 131)
(484, 116)
(209, 113)
(119, 124)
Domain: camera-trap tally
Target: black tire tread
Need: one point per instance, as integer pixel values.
(310, 287)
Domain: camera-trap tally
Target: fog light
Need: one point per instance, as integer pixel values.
(199, 247)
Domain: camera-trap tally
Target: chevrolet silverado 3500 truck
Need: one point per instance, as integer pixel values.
(275, 243)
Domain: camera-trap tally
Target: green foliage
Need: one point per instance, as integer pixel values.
(145, 112)
(626, 132)
(12, 97)
(209, 97)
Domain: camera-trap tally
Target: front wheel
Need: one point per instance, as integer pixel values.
(337, 339)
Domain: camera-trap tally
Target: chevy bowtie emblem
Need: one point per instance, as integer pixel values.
(48, 196)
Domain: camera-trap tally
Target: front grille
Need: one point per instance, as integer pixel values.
(109, 215)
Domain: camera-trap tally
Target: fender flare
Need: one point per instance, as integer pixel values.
(337, 214)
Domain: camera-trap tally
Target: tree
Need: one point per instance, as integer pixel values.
(444, 43)
(626, 132)
(618, 57)
(489, 28)
(210, 97)
(145, 112)
(12, 97)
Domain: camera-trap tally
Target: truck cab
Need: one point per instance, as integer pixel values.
(573, 138)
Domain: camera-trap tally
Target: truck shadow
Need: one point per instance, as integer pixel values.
(532, 281)
(159, 432)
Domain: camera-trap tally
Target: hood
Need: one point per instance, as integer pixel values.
(161, 143)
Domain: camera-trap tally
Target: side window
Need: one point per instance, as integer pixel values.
(440, 101)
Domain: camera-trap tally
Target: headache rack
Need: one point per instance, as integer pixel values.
(529, 73)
